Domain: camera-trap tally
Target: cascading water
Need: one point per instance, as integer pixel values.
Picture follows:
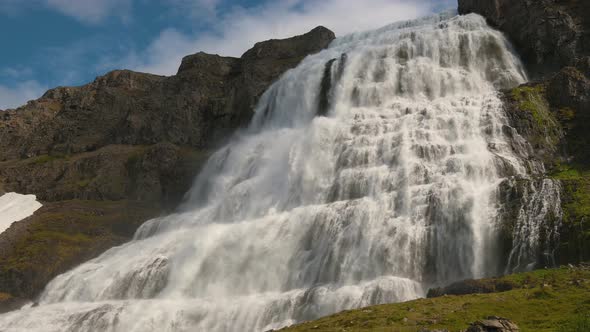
(370, 172)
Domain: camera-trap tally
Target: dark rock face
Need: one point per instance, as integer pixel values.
(209, 97)
(569, 88)
(548, 34)
(107, 156)
(159, 173)
(465, 287)
(60, 236)
(493, 324)
(552, 113)
(9, 303)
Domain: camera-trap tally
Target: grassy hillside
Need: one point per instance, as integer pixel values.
(543, 300)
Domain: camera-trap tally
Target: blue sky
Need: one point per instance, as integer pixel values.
(47, 43)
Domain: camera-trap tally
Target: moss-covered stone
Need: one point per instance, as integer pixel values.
(559, 136)
(543, 300)
(532, 99)
(158, 172)
(61, 235)
(575, 237)
(46, 158)
(530, 113)
(92, 201)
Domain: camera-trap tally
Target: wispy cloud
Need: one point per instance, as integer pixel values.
(194, 9)
(91, 11)
(12, 97)
(230, 29)
(86, 11)
(18, 73)
(238, 29)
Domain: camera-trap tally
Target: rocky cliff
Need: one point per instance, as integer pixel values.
(109, 155)
(553, 111)
(548, 34)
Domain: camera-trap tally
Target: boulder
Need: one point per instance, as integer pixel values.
(493, 324)
(481, 286)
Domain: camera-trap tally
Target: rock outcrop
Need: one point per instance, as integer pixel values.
(109, 155)
(493, 324)
(209, 97)
(465, 287)
(553, 111)
(549, 34)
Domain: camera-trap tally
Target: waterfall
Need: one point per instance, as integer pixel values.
(370, 172)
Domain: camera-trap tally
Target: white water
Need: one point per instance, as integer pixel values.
(302, 216)
(15, 207)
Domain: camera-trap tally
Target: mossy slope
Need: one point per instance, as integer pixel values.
(575, 237)
(543, 300)
(61, 235)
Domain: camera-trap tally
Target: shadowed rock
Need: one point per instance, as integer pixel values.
(547, 34)
(493, 324)
(551, 113)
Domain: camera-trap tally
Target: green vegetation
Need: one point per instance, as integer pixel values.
(46, 158)
(83, 183)
(4, 296)
(575, 235)
(532, 99)
(580, 323)
(544, 127)
(576, 181)
(61, 235)
(566, 114)
(136, 155)
(542, 300)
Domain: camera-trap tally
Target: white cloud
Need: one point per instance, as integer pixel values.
(237, 30)
(86, 11)
(90, 11)
(230, 32)
(16, 72)
(12, 97)
(196, 9)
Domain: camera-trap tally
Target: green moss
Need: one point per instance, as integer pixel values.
(65, 245)
(61, 235)
(575, 232)
(136, 155)
(567, 173)
(532, 99)
(566, 114)
(580, 323)
(5, 296)
(43, 159)
(576, 182)
(546, 300)
(83, 183)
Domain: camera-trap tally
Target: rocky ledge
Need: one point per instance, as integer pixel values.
(553, 111)
(541, 300)
(548, 34)
(107, 156)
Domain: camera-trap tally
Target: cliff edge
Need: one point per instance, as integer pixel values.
(107, 156)
(553, 111)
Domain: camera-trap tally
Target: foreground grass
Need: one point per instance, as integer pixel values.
(543, 300)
